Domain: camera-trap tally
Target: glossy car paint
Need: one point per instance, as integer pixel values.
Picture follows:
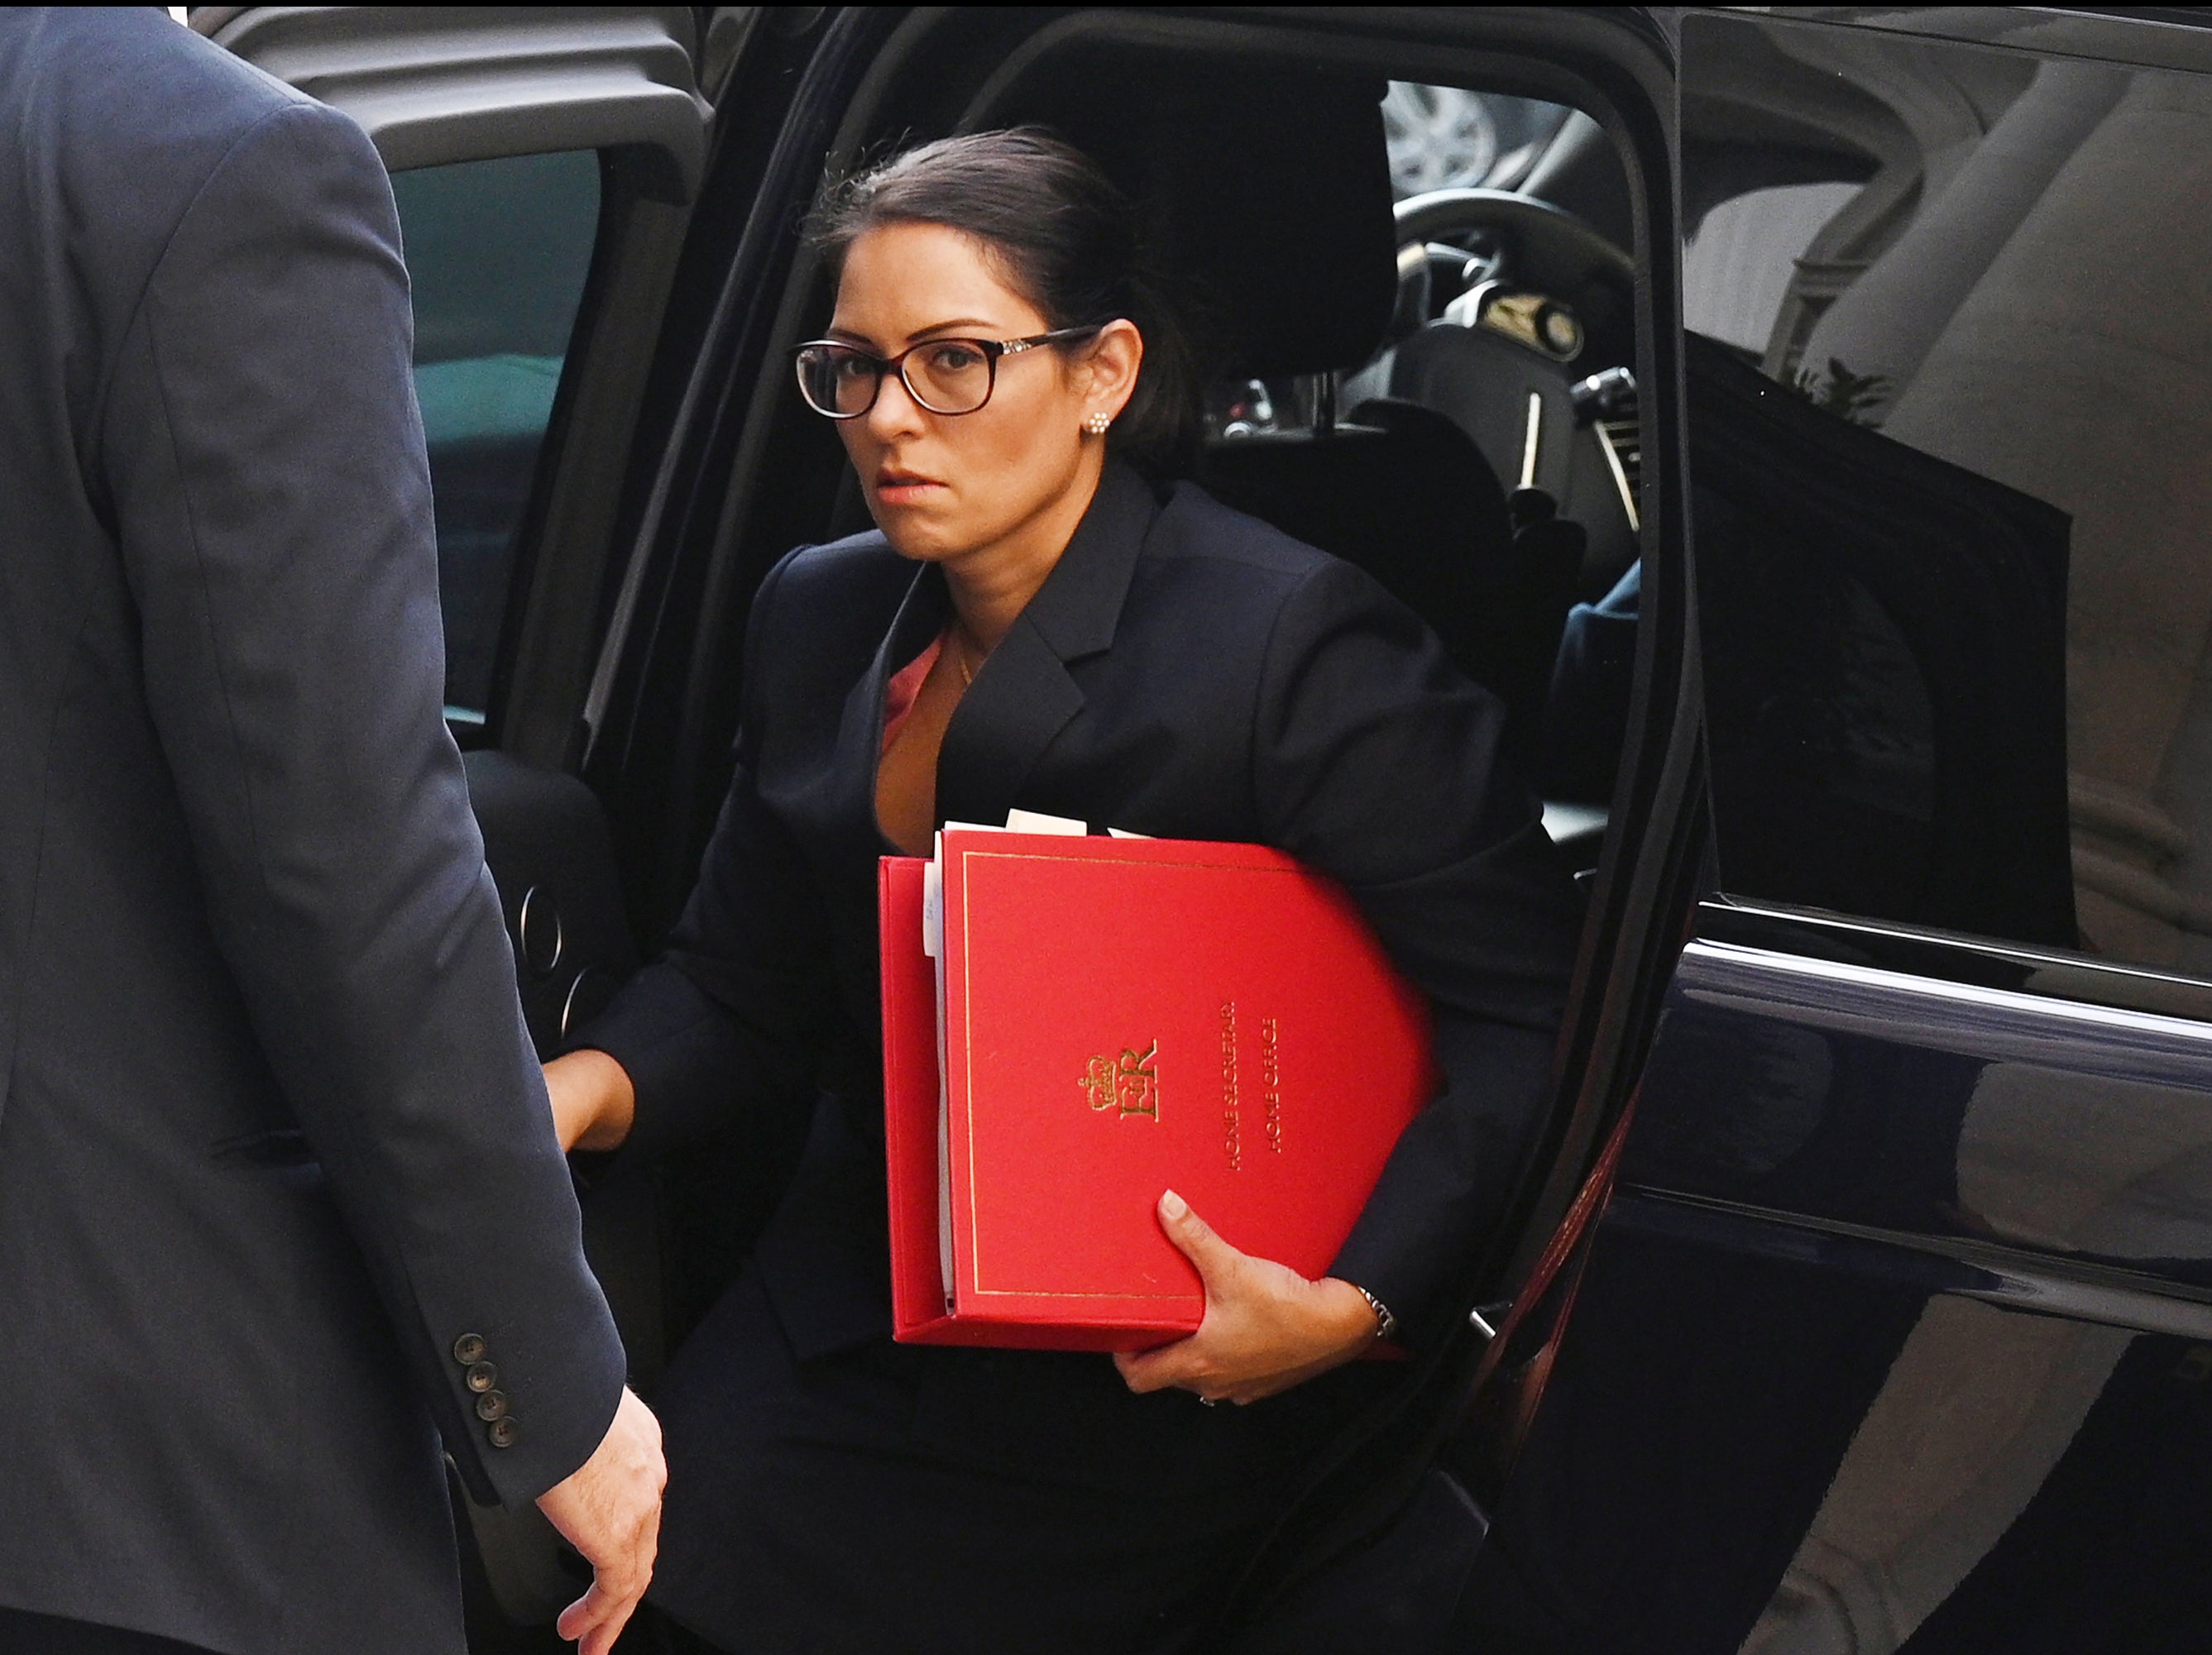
(1899, 1329)
(1896, 1333)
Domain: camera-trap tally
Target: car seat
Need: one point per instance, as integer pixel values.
(1266, 194)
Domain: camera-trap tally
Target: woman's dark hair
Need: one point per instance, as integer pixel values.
(1066, 239)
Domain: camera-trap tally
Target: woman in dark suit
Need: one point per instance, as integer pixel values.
(1041, 620)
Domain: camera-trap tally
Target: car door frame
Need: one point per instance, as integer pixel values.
(435, 86)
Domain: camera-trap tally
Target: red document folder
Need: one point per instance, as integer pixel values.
(1121, 1016)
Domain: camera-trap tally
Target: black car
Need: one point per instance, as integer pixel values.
(1802, 420)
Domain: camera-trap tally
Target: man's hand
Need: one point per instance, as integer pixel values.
(609, 1509)
(1267, 1327)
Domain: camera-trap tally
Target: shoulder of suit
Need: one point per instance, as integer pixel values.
(1194, 525)
(861, 574)
(134, 111)
(148, 80)
(838, 573)
(1245, 567)
(819, 612)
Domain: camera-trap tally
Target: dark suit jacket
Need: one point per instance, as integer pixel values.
(271, 1137)
(1186, 672)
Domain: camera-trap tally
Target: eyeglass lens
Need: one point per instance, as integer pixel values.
(945, 376)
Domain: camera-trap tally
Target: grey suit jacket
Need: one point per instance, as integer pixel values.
(274, 1150)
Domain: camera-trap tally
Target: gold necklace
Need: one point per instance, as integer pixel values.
(960, 658)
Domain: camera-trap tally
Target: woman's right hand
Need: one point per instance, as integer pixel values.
(593, 1101)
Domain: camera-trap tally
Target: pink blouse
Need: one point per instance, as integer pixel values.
(905, 686)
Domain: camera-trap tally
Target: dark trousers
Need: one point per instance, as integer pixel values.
(24, 1634)
(942, 1501)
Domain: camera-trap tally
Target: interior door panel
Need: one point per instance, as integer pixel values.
(547, 844)
(432, 85)
(546, 839)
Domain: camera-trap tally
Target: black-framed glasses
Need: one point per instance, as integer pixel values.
(945, 376)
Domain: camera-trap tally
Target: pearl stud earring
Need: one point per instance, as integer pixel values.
(1096, 424)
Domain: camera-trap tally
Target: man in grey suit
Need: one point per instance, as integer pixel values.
(278, 1186)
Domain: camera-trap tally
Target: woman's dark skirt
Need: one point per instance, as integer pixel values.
(899, 1497)
(24, 1634)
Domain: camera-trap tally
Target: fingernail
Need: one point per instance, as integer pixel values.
(1174, 1206)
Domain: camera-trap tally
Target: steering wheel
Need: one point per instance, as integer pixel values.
(1541, 248)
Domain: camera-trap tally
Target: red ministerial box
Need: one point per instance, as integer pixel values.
(1122, 1016)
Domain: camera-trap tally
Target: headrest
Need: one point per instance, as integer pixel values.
(1265, 191)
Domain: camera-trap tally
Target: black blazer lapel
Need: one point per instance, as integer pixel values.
(1024, 697)
(921, 617)
(1019, 702)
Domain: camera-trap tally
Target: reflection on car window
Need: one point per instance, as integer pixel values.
(1959, 296)
(497, 252)
(1738, 268)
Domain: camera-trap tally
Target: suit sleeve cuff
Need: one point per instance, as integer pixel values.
(681, 1054)
(562, 1427)
(1443, 1191)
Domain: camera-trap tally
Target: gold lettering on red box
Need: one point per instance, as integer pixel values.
(1232, 1138)
(1130, 1087)
(1270, 1080)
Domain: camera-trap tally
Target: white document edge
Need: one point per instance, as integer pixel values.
(1036, 822)
(933, 944)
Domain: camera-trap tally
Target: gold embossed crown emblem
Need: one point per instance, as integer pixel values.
(1130, 1087)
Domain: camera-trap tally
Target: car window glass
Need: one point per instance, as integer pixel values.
(497, 252)
(1948, 418)
(1450, 137)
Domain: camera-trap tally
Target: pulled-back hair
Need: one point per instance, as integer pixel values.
(1063, 236)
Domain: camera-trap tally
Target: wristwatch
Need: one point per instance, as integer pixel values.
(1386, 1324)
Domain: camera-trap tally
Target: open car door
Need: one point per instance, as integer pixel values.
(1896, 1332)
(545, 160)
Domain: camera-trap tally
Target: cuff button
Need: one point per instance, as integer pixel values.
(481, 1376)
(469, 1348)
(502, 1433)
(492, 1405)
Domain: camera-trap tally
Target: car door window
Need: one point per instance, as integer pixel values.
(497, 253)
(1448, 137)
(1948, 422)
(1947, 344)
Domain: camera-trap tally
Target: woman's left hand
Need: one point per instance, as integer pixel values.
(1267, 1328)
